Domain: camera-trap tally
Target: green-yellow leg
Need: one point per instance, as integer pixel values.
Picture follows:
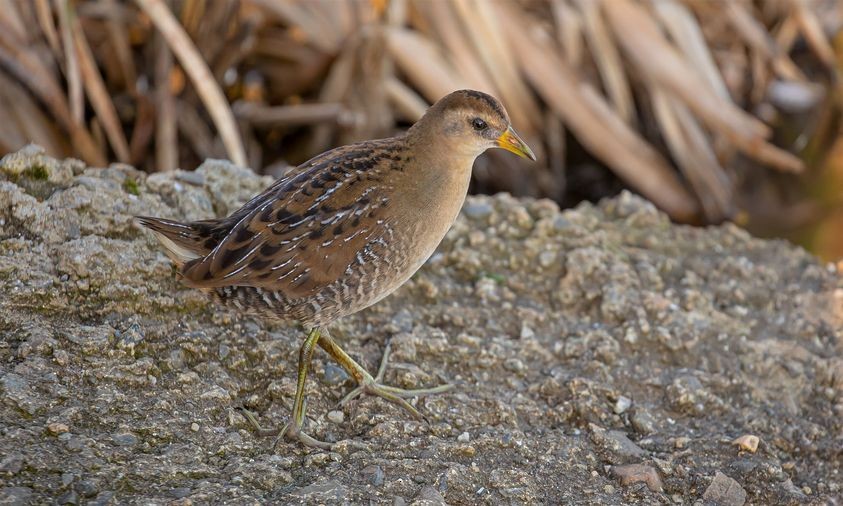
(372, 385)
(293, 428)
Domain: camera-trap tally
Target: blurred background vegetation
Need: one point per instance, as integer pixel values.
(714, 110)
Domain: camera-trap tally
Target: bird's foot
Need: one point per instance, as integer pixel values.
(289, 431)
(373, 386)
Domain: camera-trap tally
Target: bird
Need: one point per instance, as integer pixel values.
(342, 231)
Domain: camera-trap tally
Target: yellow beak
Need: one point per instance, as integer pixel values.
(510, 141)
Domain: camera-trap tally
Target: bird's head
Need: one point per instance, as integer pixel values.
(470, 122)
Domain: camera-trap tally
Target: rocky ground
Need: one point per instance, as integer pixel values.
(599, 355)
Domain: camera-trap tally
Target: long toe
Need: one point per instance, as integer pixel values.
(394, 395)
(305, 439)
(259, 430)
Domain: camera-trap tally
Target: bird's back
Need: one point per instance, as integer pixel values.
(313, 242)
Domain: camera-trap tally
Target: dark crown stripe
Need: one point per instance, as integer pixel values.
(488, 100)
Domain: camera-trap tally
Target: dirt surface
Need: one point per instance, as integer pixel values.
(599, 355)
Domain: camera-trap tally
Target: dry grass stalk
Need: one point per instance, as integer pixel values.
(673, 96)
(195, 67)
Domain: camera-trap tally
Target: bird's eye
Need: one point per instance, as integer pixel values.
(478, 124)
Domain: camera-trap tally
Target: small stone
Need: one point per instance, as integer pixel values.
(317, 459)
(547, 258)
(681, 442)
(15, 496)
(334, 375)
(130, 337)
(180, 492)
(329, 491)
(374, 475)
(643, 422)
(87, 488)
(428, 495)
(69, 497)
(125, 439)
(477, 209)
(104, 498)
(747, 442)
(527, 332)
(616, 442)
(465, 437)
(194, 427)
(724, 491)
(514, 365)
(57, 428)
(336, 416)
(216, 393)
(622, 404)
(634, 473)
(11, 464)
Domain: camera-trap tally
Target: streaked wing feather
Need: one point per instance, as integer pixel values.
(303, 232)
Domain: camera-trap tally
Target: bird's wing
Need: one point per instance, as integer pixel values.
(302, 233)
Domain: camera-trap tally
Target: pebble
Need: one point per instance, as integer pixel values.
(622, 404)
(374, 474)
(11, 464)
(747, 442)
(125, 439)
(428, 495)
(616, 442)
(634, 473)
(477, 209)
(87, 488)
(643, 422)
(336, 416)
(334, 375)
(724, 491)
(57, 428)
(547, 258)
(330, 491)
(69, 497)
(465, 437)
(15, 496)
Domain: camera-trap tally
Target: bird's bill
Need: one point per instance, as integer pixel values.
(510, 141)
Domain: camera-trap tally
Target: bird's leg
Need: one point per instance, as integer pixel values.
(293, 428)
(372, 385)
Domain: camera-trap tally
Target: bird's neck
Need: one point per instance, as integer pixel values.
(439, 179)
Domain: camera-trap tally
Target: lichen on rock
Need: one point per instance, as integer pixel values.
(581, 342)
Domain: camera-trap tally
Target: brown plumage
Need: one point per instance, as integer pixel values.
(344, 229)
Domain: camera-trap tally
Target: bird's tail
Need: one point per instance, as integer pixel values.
(182, 242)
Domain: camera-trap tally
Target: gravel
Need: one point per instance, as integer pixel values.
(599, 355)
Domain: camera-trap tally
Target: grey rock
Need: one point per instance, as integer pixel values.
(477, 210)
(16, 390)
(125, 439)
(374, 474)
(15, 496)
(321, 492)
(643, 422)
(335, 375)
(87, 488)
(724, 491)
(11, 464)
(428, 496)
(69, 497)
(618, 445)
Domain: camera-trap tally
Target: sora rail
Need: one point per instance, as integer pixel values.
(343, 231)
